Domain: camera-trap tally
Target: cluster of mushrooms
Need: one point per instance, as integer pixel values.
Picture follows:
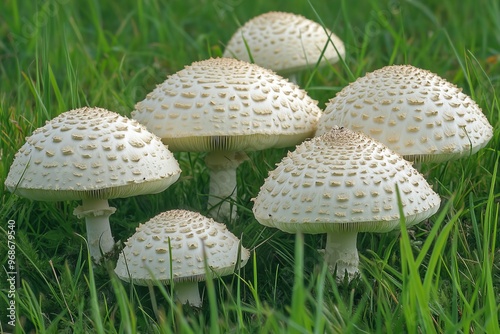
(351, 170)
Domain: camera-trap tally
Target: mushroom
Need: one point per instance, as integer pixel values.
(412, 111)
(284, 42)
(225, 107)
(173, 247)
(91, 154)
(342, 183)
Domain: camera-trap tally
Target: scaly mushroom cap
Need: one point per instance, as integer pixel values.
(227, 104)
(343, 181)
(192, 237)
(284, 42)
(91, 153)
(412, 111)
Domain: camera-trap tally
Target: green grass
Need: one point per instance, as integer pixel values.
(440, 276)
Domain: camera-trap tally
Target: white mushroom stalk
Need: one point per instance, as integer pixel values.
(341, 253)
(96, 213)
(222, 168)
(92, 155)
(227, 107)
(188, 293)
(173, 247)
(285, 42)
(342, 183)
(412, 111)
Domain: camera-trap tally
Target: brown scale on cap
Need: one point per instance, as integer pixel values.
(413, 111)
(342, 183)
(284, 42)
(192, 238)
(92, 154)
(226, 107)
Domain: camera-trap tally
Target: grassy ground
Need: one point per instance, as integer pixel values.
(441, 276)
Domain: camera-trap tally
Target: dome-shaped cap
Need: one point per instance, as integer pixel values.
(192, 237)
(284, 42)
(227, 104)
(91, 153)
(413, 111)
(343, 181)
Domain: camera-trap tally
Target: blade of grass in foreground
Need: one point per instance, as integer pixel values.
(128, 319)
(478, 299)
(319, 321)
(212, 301)
(416, 296)
(489, 240)
(94, 302)
(176, 321)
(298, 314)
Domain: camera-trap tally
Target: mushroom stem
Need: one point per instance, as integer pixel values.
(96, 213)
(222, 167)
(187, 292)
(341, 252)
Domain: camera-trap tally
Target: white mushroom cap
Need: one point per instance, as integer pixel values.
(228, 105)
(413, 111)
(91, 153)
(192, 238)
(343, 181)
(284, 42)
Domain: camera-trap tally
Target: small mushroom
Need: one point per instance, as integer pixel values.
(226, 107)
(342, 183)
(412, 111)
(285, 43)
(173, 247)
(91, 154)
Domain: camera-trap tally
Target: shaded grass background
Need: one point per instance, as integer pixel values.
(442, 275)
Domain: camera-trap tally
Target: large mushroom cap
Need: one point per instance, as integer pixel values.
(412, 111)
(91, 153)
(192, 238)
(343, 181)
(284, 42)
(230, 105)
